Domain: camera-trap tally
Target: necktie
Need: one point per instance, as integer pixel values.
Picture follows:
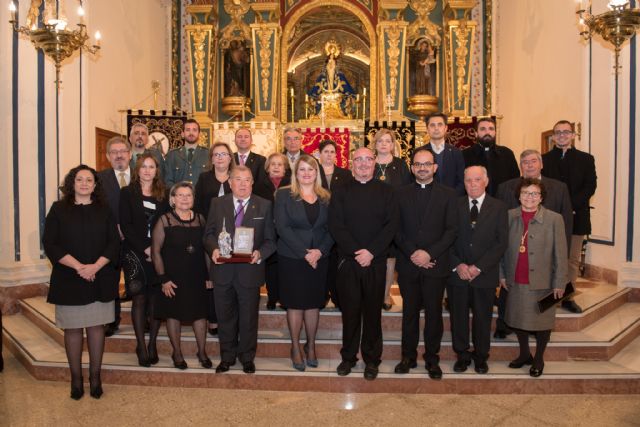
(239, 214)
(122, 182)
(473, 214)
(242, 159)
(190, 155)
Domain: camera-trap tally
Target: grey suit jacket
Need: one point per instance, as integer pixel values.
(259, 216)
(557, 200)
(295, 233)
(548, 259)
(177, 168)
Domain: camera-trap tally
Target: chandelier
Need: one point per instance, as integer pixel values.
(616, 25)
(51, 34)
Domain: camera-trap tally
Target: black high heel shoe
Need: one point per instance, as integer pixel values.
(95, 390)
(143, 359)
(518, 363)
(312, 363)
(182, 365)
(205, 362)
(153, 355)
(77, 392)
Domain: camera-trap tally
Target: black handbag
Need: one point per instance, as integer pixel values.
(135, 278)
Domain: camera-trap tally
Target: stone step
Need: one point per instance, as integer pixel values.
(45, 359)
(599, 341)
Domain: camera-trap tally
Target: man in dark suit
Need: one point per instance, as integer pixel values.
(237, 286)
(499, 161)
(475, 258)
(448, 158)
(557, 199)
(186, 163)
(428, 228)
(138, 138)
(292, 138)
(363, 219)
(577, 169)
(245, 157)
(112, 180)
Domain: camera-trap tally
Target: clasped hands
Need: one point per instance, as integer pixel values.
(422, 259)
(312, 257)
(467, 272)
(88, 271)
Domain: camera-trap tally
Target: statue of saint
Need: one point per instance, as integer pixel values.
(236, 70)
(424, 69)
(332, 90)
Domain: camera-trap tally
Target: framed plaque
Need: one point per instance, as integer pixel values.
(243, 241)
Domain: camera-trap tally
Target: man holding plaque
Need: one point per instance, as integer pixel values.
(237, 276)
(363, 219)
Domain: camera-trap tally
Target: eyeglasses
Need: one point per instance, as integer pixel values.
(364, 159)
(562, 132)
(530, 194)
(419, 165)
(118, 152)
(220, 155)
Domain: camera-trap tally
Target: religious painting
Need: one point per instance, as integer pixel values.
(423, 68)
(237, 70)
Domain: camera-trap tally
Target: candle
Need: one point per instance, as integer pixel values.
(98, 38)
(306, 98)
(364, 92)
(12, 9)
(291, 91)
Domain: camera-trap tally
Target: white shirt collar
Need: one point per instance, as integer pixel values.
(127, 174)
(245, 203)
(437, 148)
(479, 199)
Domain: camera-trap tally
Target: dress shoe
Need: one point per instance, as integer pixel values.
(297, 366)
(224, 367)
(536, 372)
(386, 306)
(481, 367)
(110, 329)
(271, 305)
(182, 365)
(571, 305)
(249, 367)
(205, 362)
(312, 363)
(519, 363)
(405, 366)
(213, 332)
(344, 368)
(370, 372)
(435, 373)
(461, 365)
(143, 359)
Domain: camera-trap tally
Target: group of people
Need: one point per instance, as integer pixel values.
(320, 232)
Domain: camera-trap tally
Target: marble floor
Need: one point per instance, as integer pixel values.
(25, 401)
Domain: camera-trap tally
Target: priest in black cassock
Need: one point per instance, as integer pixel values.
(363, 219)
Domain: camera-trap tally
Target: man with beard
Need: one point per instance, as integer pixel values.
(186, 163)
(499, 161)
(363, 219)
(138, 138)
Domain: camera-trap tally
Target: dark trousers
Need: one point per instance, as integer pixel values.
(422, 293)
(501, 303)
(211, 309)
(361, 291)
(462, 299)
(271, 278)
(237, 310)
(332, 273)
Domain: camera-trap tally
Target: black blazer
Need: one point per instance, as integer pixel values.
(433, 230)
(86, 232)
(581, 180)
(482, 246)
(451, 173)
(557, 200)
(295, 233)
(501, 165)
(259, 216)
(206, 189)
(339, 177)
(265, 188)
(255, 162)
(133, 221)
(111, 190)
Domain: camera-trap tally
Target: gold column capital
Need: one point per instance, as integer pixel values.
(460, 4)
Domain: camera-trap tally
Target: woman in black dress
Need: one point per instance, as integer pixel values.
(211, 184)
(81, 241)
(304, 243)
(141, 202)
(395, 172)
(278, 175)
(181, 264)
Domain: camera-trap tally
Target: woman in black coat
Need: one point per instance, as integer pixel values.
(278, 175)
(141, 203)
(81, 240)
(330, 174)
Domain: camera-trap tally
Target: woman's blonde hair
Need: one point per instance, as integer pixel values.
(382, 132)
(322, 193)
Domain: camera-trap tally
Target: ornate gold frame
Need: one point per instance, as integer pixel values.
(373, 40)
